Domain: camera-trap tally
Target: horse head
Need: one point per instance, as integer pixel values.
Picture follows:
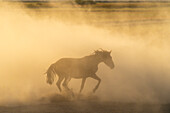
(105, 57)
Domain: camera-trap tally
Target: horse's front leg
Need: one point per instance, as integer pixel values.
(99, 80)
(82, 84)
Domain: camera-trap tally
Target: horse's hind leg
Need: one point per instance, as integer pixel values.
(60, 79)
(65, 83)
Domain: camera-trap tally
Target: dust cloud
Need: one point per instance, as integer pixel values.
(29, 45)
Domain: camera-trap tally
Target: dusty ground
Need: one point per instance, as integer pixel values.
(88, 107)
(57, 103)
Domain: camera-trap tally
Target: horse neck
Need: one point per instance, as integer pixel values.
(94, 59)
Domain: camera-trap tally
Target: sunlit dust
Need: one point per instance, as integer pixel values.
(29, 44)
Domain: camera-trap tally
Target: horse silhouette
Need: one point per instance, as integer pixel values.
(79, 68)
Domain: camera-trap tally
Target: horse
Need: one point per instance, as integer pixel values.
(78, 68)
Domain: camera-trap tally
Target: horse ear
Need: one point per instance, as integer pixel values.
(110, 51)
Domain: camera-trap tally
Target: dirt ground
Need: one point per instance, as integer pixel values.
(88, 107)
(57, 103)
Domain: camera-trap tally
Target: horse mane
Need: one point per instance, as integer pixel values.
(91, 55)
(95, 53)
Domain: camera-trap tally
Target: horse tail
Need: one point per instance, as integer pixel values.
(51, 74)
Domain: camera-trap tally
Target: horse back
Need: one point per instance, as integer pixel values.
(75, 67)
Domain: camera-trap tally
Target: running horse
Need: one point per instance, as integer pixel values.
(79, 68)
